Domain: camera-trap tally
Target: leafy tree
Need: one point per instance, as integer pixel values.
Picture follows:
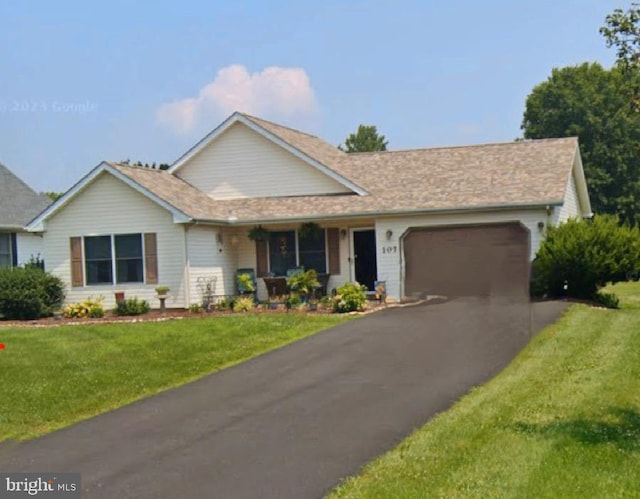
(153, 166)
(594, 104)
(366, 139)
(622, 31)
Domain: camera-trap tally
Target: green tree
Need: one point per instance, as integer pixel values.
(54, 196)
(153, 166)
(594, 104)
(366, 139)
(622, 31)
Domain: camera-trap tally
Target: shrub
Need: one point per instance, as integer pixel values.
(226, 303)
(29, 293)
(350, 297)
(243, 304)
(91, 307)
(582, 256)
(196, 308)
(132, 306)
(609, 300)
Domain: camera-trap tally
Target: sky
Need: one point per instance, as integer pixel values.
(82, 82)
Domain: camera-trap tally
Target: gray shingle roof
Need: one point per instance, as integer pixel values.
(450, 178)
(18, 202)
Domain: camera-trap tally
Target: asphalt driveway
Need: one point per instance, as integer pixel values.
(293, 422)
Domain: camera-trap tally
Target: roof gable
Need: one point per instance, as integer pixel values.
(310, 150)
(18, 202)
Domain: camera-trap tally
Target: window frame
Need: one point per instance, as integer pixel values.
(114, 260)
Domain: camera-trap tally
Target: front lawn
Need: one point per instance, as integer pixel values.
(53, 377)
(563, 420)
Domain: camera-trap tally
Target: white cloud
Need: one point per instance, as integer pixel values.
(273, 92)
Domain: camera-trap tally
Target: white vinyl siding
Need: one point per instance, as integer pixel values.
(29, 245)
(109, 206)
(571, 206)
(212, 259)
(241, 164)
(390, 262)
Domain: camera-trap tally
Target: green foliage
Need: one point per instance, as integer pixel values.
(596, 105)
(309, 230)
(226, 303)
(584, 256)
(258, 233)
(609, 300)
(54, 196)
(350, 297)
(162, 290)
(91, 307)
(195, 308)
(292, 301)
(622, 31)
(304, 283)
(366, 139)
(132, 306)
(35, 262)
(29, 293)
(244, 304)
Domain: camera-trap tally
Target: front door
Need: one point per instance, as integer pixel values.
(364, 257)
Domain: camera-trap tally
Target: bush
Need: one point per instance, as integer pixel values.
(29, 293)
(226, 303)
(582, 256)
(350, 297)
(609, 300)
(304, 283)
(243, 304)
(132, 306)
(195, 308)
(91, 307)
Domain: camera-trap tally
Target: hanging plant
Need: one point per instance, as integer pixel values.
(258, 233)
(309, 230)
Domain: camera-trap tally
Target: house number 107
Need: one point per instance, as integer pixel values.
(386, 250)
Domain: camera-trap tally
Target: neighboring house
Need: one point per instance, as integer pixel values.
(445, 221)
(19, 204)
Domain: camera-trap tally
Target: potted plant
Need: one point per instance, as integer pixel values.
(258, 233)
(304, 283)
(309, 230)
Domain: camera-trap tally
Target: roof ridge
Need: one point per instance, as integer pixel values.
(466, 146)
(256, 118)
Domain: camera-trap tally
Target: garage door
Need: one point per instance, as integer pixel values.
(467, 261)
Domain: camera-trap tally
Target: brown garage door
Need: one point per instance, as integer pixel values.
(467, 261)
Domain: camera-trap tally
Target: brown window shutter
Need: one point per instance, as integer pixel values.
(151, 257)
(333, 245)
(262, 259)
(77, 275)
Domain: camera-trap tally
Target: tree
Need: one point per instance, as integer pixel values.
(366, 139)
(153, 166)
(54, 196)
(596, 105)
(622, 30)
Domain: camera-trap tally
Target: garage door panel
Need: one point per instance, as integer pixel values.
(467, 261)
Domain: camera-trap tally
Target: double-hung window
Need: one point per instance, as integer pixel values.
(287, 250)
(120, 255)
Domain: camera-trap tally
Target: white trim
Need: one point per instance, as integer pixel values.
(239, 118)
(577, 170)
(37, 224)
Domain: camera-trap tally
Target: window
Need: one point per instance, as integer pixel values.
(129, 258)
(101, 266)
(282, 252)
(312, 252)
(6, 258)
(286, 251)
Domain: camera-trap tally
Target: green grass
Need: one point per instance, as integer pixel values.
(563, 420)
(53, 377)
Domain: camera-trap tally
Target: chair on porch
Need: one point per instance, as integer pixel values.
(276, 286)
